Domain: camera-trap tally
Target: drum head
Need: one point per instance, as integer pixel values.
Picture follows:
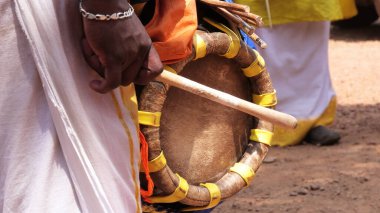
(200, 138)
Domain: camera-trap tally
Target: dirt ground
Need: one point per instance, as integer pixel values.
(339, 178)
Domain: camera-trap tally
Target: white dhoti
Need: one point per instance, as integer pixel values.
(297, 60)
(63, 147)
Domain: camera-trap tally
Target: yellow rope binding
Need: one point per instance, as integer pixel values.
(156, 164)
(245, 172)
(199, 46)
(256, 67)
(266, 100)
(234, 47)
(261, 136)
(215, 197)
(179, 193)
(149, 118)
(170, 69)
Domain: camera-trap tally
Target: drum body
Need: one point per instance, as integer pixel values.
(201, 152)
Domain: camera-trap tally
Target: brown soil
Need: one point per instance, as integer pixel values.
(339, 178)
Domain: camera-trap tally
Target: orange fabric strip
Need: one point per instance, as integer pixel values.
(172, 28)
(144, 161)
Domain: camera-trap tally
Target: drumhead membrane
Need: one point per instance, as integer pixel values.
(202, 139)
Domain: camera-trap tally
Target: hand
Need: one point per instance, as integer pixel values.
(121, 50)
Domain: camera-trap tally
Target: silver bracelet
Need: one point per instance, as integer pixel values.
(106, 17)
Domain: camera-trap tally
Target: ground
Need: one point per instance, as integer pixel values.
(339, 178)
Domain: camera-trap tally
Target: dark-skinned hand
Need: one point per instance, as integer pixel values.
(118, 50)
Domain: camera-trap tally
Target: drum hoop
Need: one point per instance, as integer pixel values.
(243, 172)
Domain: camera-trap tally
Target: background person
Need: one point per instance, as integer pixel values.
(297, 60)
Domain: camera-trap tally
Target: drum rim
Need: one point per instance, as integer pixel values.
(259, 150)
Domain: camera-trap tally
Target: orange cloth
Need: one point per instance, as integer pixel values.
(172, 28)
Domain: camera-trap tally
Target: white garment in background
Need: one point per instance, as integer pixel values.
(63, 147)
(297, 60)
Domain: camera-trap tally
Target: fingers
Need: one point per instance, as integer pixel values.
(111, 81)
(131, 73)
(150, 69)
(111, 73)
(141, 71)
(91, 58)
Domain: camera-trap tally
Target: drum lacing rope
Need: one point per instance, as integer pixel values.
(144, 162)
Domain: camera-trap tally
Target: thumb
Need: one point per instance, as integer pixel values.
(91, 58)
(111, 81)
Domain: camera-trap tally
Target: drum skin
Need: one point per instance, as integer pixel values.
(200, 138)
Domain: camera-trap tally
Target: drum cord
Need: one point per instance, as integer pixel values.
(144, 163)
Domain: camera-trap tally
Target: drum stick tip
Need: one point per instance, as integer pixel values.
(264, 45)
(292, 122)
(294, 125)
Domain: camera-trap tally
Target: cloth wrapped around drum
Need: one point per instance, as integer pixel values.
(200, 152)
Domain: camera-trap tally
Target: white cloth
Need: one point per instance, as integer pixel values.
(297, 60)
(63, 147)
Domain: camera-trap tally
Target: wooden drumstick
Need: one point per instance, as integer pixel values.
(226, 99)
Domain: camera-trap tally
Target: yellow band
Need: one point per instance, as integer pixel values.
(245, 172)
(179, 193)
(200, 47)
(215, 197)
(267, 100)
(256, 67)
(234, 47)
(149, 118)
(170, 69)
(156, 164)
(261, 136)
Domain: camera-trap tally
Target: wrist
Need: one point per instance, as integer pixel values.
(105, 6)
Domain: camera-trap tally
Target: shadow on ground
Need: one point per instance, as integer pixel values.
(356, 34)
(357, 122)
